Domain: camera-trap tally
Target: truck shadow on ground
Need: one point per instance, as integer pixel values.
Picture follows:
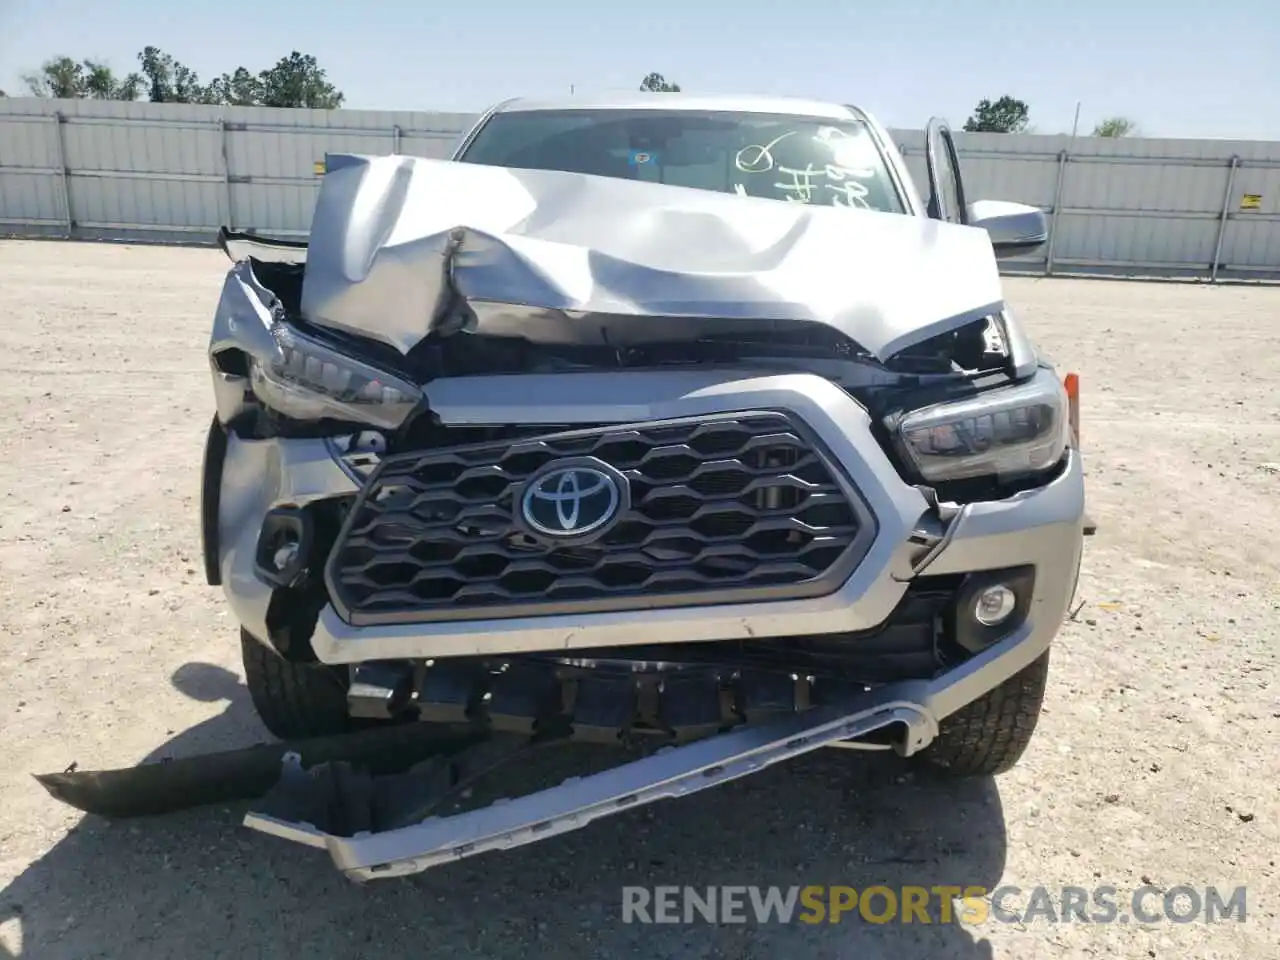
(197, 883)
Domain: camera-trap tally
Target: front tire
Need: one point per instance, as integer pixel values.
(294, 700)
(989, 735)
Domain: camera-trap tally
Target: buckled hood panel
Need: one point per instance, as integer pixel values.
(396, 240)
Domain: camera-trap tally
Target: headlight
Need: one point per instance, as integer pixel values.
(309, 380)
(1006, 433)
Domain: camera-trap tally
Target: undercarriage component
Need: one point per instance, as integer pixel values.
(674, 694)
(380, 691)
(519, 695)
(602, 706)
(695, 706)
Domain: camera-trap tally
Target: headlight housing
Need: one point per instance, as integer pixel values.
(1007, 433)
(309, 380)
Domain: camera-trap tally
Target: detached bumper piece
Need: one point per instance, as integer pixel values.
(169, 785)
(361, 820)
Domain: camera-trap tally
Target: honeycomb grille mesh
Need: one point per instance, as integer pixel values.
(722, 508)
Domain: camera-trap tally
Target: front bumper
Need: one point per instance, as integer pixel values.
(1041, 528)
(914, 706)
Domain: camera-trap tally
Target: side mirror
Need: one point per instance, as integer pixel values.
(1014, 228)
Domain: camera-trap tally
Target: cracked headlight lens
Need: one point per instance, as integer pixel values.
(310, 380)
(1007, 433)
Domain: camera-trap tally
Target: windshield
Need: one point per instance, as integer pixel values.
(795, 159)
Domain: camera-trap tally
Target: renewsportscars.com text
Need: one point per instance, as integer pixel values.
(972, 905)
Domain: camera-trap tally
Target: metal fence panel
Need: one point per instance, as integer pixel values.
(179, 171)
(31, 188)
(141, 147)
(28, 141)
(283, 209)
(1251, 241)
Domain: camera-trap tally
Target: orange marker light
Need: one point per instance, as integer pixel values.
(1072, 383)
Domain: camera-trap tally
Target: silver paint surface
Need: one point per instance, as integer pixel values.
(394, 238)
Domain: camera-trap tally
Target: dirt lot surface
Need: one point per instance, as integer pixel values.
(1156, 761)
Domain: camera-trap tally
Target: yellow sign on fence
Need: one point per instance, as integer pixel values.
(318, 168)
(1251, 201)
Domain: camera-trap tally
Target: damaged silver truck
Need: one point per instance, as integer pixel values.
(681, 424)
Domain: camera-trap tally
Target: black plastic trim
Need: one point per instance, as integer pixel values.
(829, 582)
(215, 454)
(294, 522)
(972, 635)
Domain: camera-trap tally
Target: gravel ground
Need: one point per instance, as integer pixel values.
(1156, 759)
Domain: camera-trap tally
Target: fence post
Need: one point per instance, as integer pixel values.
(1057, 206)
(61, 142)
(226, 171)
(1222, 220)
(395, 138)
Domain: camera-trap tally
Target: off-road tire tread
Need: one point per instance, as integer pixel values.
(989, 736)
(293, 700)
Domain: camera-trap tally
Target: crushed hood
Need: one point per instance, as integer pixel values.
(583, 259)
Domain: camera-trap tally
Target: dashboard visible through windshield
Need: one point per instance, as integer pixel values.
(794, 159)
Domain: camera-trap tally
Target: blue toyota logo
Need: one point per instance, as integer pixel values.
(571, 501)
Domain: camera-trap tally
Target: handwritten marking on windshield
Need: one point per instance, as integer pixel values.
(850, 195)
(755, 158)
(801, 185)
(840, 171)
(836, 180)
(847, 192)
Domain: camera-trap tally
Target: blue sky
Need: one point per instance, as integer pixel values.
(1180, 69)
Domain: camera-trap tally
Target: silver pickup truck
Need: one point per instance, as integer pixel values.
(677, 423)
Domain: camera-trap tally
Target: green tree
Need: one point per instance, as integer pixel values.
(657, 83)
(296, 81)
(60, 77)
(239, 89)
(68, 79)
(171, 81)
(1005, 115)
(1116, 127)
(100, 83)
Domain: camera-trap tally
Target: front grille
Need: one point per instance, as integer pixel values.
(725, 508)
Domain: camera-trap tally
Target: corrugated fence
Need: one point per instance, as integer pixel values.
(101, 169)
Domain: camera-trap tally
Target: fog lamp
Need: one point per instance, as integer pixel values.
(285, 555)
(994, 605)
(284, 546)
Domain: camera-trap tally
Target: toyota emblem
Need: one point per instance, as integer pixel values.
(572, 499)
